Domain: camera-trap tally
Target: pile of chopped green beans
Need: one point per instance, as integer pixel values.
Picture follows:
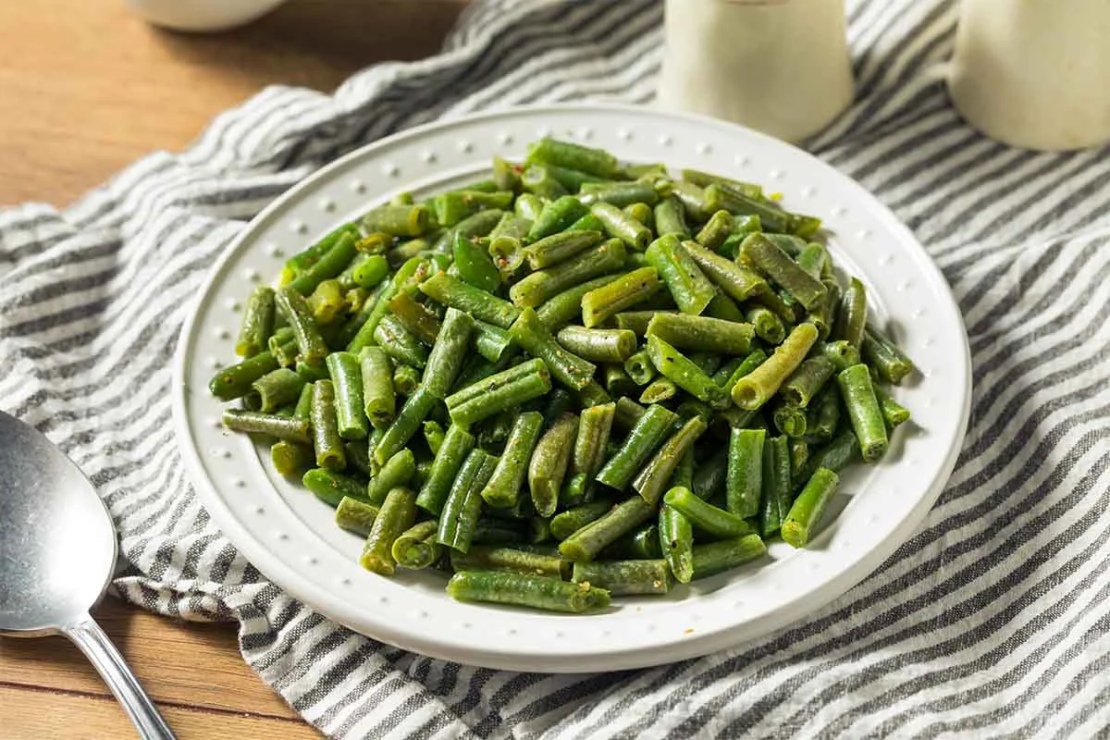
(575, 379)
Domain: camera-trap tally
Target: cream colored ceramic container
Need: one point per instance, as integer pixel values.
(778, 66)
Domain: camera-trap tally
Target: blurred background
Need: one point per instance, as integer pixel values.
(108, 88)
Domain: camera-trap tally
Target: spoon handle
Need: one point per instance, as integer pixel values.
(100, 651)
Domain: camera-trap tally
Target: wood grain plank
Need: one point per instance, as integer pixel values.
(33, 713)
(87, 88)
(178, 662)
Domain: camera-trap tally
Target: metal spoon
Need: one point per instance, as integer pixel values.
(57, 555)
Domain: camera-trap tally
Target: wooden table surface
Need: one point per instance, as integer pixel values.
(85, 89)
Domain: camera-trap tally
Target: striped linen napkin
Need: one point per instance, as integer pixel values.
(991, 620)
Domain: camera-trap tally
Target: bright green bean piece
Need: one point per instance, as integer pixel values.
(851, 322)
(395, 516)
(756, 388)
(704, 516)
(894, 413)
(625, 577)
(640, 368)
(408, 420)
(331, 487)
(617, 381)
(510, 560)
(766, 324)
(691, 289)
(777, 487)
(569, 369)
(379, 402)
(799, 456)
(658, 390)
(592, 438)
(619, 294)
(693, 200)
(676, 534)
(711, 476)
(277, 388)
(399, 343)
(303, 261)
(416, 548)
(293, 307)
(291, 458)
(620, 194)
(541, 285)
(537, 592)
(619, 225)
(506, 176)
(744, 482)
(327, 302)
(325, 427)
(415, 317)
(406, 379)
(258, 322)
(653, 480)
(556, 248)
(889, 362)
(398, 470)
(716, 230)
(701, 333)
(586, 543)
(574, 156)
(350, 405)
(355, 516)
(556, 216)
(645, 438)
(864, 412)
(597, 345)
(491, 341)
(737, 283)
(548, 466)
(680, 370)
(806, 512)
(470, 300)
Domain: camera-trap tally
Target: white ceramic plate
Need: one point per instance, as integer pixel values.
(291, 537)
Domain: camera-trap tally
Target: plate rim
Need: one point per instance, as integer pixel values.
(297, 585)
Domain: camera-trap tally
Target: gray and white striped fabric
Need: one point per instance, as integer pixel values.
(990, 621)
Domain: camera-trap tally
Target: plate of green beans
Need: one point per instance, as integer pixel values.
(571, 389)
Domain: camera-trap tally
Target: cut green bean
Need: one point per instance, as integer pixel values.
(714, 521)
(395, 516)
(711, 476)
(806, 511)
(670, 218)
(805, 382)
(303, 261)
(330, 265)
(457, 444)
(789, 420)
(474, 265)
(889, 362)
(408, 420)
(705, 179)
(325, 428)
(645, 438)
(842, 354)
(511, 560)
(548, 466)
(654, 478)
(894, 413)
(617, 381)
(379, 402)
(464, 503)
(398, 470)
(448, 353)
(293, 307)
(777, 265)
(691, 289)
(406, 379)
(257, 324)
(505, 392)
(717, 557)
(350, 405)
(470, 300)
(716, 230)
(744, 482)
(676, 534)
(799, 456)
(569, 369)
(777, 490)
(766, 324)
(416, 547)
(574, 156)
(658, 390)
(864, 412)
(566, 523)
(851, 322)
(331, 487)
(625, 577)
(628, 413)
(355, 516)
(590, 442)
(291, 458)
(756, 388)
(399, 343)
(556, 248)
(556, 216)
(640, 368)
(415, 317)
(619, 225)
(597, 345)
(605, 258)
(537, 592)
(272, 425)
(586, 543)
(407, 220)
(619, 294)
(736, 282)
(277, 388)
(564, 308)
(701, 333)
(684, 373)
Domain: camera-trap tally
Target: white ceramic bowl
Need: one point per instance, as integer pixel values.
(291, 537)
(201, 15)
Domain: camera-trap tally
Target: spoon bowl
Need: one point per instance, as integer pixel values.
(57, 554)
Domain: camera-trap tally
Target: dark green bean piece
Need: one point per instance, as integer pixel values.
(333, 262)
(597, 345)
(777, 487)
(563, 308)
(744, 225)
(503, 488)
(717, 557)
(836, 455)
(291, 458)
(864, 412)
(457, 444)
(851, 322)
(541, 285)
(505, 392)
(537, 592)
(625, 577)
(718, 228)
(799, 456)
(824, 316)
(691, 289)
(587, 542)
(744, 482)
(789, 420)
(395, 516)
(619, 294)
(617, 382)
(358, 457)
(498, 532)
(277, 388)
(642, 442)
(415, 318)
(350, 405)
(842, 354)
(889, 362)
(370, 271)
(590, 443)
(559, 247)
(637, 321)
(680, 370)
(408, 420)
(416, 547)
(464, 502)
(619, 194)
(398, 470)
(756, 388)
(640, 368)
(379, 402)
(258, 322)
(568, 522)
(574, 156)
(303, 261)
(491, 383)
(293, 307)
(619, 225)
(325, 429)
(331, 487)
(728, 380)
(470, 300)
(823, 417)
(641, 544)
(548, 466)
(589, 222)
(704, 516)
(355, 516)
(654, 478)
(448, 353)
(670, 218)
(676, 534)
(593, 394)
(738, 283)
(710, 477)
(557, 403)
(805, 382)
(311, 373)
(474, 265)
(490, 341)
(806, 512)
(766, 324)
(566, 367)
(773, 218)
(358, 331)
